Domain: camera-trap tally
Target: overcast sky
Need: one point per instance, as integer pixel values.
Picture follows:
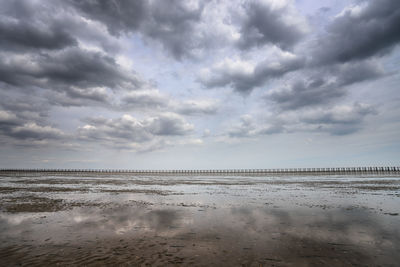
(199, 84)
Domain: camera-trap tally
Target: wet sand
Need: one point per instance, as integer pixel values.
(130, 220)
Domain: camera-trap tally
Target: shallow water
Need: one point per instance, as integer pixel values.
(199, 220)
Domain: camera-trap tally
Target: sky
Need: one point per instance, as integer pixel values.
(215, 84)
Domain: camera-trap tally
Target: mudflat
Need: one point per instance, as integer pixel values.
(128, 220)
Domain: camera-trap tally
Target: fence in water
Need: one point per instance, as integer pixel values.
(285, 171)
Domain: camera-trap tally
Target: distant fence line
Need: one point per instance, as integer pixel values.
(285, 171)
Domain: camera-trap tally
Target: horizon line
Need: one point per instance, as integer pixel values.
(366, 169)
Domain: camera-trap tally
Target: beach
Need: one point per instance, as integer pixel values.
(122, 219)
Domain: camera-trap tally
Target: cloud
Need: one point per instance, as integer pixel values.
(61, 61)
(301, 93)
(23, 26)
(129, 132)
(245, 128)
(335, 120)
(22, 123)
(7, 118)
(271, 22)
(248, 127)
(66, 68)
(196, 107)
(324, 86)
(154, 100)
(172, 23)
(244, 76)
(17, 128)
(125, 128)
(79, 97)
(23, 109)
(185, 28)
(169, 124)
(338, 114)
(352, 38)
(36, 132)
(38, 26)
(22, 35)
(73, 74)
(147, 99)
(338, 120)
(118, 16)
(48, 45)
(359, 32)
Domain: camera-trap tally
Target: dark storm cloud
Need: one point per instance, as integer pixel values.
(323, 87)
(40, 26)
(170, 22)
(362, 31)
(179, 25)
(173, 24)
(39, 49)
(343, 57)
(118, 16)
(269, 22)
(69, 67)
(73, 72)
(243, 78)
(355, 36)
(23, 35)
(23, 25)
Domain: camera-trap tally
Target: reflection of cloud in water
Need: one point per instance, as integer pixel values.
(356, 227)
(15, 219)
(336, 225)
(352, 236)
(124, 219)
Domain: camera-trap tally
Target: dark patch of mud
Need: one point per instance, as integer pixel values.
(31, 203)
(139, 191)
(41, 189)
(377, 188)
(62, 180)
